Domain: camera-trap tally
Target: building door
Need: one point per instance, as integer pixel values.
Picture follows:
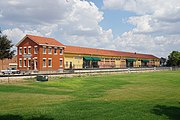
(129, 64)
(35, 64)
(144, 64)
(86, 63)
(95, 64)
(70, 65)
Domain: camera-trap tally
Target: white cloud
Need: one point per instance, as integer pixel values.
(33, 11)
(156, 26)
(158, 45)
(153, 15)
(76, 22)
(73, 22)
(143, 7)
(142, 23)
(14, 34)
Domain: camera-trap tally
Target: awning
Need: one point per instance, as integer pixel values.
(88, 58)
(145, 60)
(92, 58)
(131, 60)
(96, 59)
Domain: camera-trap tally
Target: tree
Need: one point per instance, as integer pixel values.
(174, 59)
(5, 48)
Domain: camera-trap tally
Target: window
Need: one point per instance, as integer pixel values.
(25, 50)
(29, 50)
(44, 62)
(66, 63)
(49, 50)
(20, 50)
(55, 51)
(61, 51)
(20, 62)
(35, 50)
(44, 50)
(29, 62)
(60, 62)
(50, 62)
(25, 63)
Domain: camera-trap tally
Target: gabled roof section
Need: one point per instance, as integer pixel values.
(94, 51)
(42, 41)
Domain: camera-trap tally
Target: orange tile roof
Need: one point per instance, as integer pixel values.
(94, 51)
(43, 40)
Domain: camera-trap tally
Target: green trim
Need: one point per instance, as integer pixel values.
(145, 60)
(92, 58)
(96, 59)
(131, 60)
(88, 58)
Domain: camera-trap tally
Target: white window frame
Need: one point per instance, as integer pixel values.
(56, 50)
(29, 63)
(29, 52)
(60, 65)
(43, 62)
(35, 47)
(25, 50)
(20, 63)
(50, 51)
(20, 49)
(60, 51)
(48, 62)
(24, 65)
(44, 47)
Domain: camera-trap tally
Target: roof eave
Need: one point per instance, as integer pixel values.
(21, 41)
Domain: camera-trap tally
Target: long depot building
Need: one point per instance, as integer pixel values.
(47, 54)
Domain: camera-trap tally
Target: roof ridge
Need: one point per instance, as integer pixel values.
(39, 36)
(40, 40)
(92, 48)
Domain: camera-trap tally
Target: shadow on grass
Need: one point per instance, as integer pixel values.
(172, 112)
(11, 117)
(18, 117)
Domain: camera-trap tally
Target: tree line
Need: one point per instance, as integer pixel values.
(173, 59)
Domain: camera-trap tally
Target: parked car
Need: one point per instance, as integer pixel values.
(10, 71)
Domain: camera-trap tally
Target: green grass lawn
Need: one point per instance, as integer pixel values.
(135, 96)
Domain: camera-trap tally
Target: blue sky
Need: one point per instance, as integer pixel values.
(117, 21)
(143, 26)
(114, 19)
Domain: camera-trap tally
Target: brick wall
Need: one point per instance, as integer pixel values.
(39, 56)
(5, 63)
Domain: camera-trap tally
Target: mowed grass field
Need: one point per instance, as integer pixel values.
(134, 96)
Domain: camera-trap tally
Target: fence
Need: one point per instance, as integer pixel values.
(122, 70)
(89, 71)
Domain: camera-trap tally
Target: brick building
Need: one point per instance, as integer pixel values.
(47, 54)
(8, 63)
(39, 53)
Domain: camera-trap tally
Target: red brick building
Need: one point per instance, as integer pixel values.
(39, 53)
(47, 54)
(8, 63)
